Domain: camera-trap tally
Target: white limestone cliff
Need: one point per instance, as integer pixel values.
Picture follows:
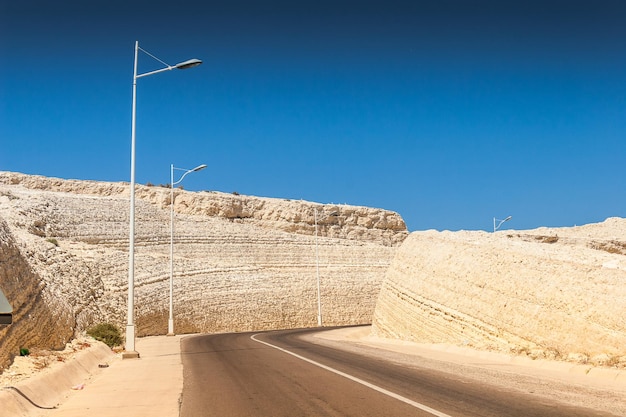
(241, 262)
(547, 293)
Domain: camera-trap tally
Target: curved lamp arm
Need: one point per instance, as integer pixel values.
(500, 224)
(187, 171)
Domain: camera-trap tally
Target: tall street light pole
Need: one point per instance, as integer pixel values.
(170, 322)
(500, 224)
(317, 267)
(130, 351)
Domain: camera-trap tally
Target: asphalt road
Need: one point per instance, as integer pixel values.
(278, 374)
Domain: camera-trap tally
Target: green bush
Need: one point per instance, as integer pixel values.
(24, 352)
(106, 333)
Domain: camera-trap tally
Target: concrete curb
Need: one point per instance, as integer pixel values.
(48, 389)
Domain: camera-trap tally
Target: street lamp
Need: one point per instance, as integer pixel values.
(170, 322)
(317, 267)
(500, 224)
(130, 324)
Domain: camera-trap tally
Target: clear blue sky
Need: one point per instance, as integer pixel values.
(448, 112)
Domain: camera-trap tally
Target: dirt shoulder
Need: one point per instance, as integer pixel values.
(602, 389)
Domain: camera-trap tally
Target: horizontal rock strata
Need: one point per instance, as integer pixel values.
(241, 263)
(295, 216)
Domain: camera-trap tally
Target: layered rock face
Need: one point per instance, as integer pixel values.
(33, 306)
(557, 293)
(240, 262)
(350, 222)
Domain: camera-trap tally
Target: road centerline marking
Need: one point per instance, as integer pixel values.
(357, 380)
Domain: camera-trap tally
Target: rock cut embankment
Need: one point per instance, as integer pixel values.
(241, 262)
(554, 293)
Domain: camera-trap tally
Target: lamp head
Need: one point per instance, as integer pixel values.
(199, 167)
(190, 63)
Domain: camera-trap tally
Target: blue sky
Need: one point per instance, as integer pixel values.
(447, 112)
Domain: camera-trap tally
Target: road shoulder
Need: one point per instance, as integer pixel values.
(579, 385)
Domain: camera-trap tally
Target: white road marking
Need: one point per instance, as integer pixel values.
(357, 380)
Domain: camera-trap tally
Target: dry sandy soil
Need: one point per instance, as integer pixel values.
(41, 361)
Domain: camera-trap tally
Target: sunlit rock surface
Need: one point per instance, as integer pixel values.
(240, 263)
(556, 293)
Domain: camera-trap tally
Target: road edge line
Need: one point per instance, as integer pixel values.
(357, 380)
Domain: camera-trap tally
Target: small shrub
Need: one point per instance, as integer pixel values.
(53, 241)
(107, 333)
(235, 193)
(24, 352)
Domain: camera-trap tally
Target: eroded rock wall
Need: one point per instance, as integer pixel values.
(295, 216)
(38, 319)
(241, 263)
(555, 293)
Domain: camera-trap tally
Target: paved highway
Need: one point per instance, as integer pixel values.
(280, 374)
